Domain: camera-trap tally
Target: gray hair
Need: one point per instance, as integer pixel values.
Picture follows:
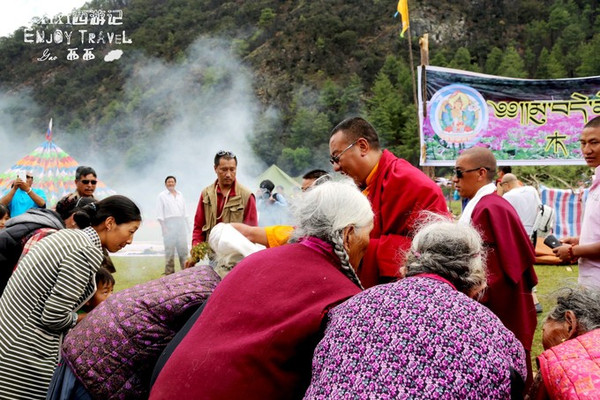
(583, 302)
(326, 210)
(450, 250)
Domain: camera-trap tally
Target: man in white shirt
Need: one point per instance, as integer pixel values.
(586, 247)
(524, 199)
(172, 216)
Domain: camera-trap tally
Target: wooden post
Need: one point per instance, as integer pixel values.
(424, 45)
(412, 67)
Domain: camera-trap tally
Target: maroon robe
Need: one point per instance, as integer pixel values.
(398, 194)
(511, 276)
(256, 337)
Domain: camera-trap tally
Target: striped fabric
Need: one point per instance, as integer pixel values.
(52, 281)
(568, 206)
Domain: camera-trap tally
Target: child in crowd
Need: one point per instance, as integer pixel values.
(105, 284)
(4, 215)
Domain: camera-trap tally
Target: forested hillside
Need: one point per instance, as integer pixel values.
(311, 64)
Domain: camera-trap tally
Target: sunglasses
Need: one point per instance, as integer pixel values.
(222, 153)
(460, 173)
(28, 176)
(336, 159)
(87, 181)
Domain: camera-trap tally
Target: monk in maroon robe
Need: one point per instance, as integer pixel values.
(398, 193)
(510, 253)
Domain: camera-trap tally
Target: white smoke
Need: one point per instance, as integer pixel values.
(209, 101)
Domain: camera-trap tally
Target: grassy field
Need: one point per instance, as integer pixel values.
(134, 270)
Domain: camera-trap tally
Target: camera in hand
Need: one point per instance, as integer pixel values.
(552, 242)
(266, 194)
(266, 187)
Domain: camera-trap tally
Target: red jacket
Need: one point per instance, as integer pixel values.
(256, 337)
(398, 194)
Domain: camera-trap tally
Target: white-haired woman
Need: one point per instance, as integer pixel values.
(257, 333)
(423, 337)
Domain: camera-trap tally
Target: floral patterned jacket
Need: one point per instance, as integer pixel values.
(571, 370)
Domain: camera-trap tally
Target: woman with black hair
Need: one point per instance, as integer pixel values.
(51, 283)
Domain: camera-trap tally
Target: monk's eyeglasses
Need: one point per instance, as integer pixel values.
(460, 173)
(336, 159)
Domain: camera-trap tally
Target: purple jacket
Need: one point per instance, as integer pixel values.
(113, 350)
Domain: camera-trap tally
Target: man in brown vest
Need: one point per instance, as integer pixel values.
(225, 200)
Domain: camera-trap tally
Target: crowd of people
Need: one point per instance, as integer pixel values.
(369, 288)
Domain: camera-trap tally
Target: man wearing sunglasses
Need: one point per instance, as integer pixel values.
(85, 183)
(398, 193)
(510, 254)
(22, 196)
(225, 200)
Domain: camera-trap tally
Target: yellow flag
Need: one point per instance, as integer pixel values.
(403, 11)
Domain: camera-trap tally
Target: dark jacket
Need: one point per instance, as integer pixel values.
(16, 233)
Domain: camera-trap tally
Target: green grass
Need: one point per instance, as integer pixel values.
(134, 270)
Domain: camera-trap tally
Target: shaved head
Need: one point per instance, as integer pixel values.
(482, 157)
(507, 178)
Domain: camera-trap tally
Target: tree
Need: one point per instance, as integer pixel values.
(462, 60)
(385, 110)
(556, 69)
(512, 64)
(409, 145)
(590, 58)
(543, 65)
(351, 98)
(558, 20)
(565, 177)
(296, 160)
(309, 128)
(492, 64)
(267, 15)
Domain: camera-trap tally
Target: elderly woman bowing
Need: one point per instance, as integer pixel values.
(423, 337)
(256, 336)
(569, 368)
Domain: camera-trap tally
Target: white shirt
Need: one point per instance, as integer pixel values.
(465, 217)
(525, 200)
(169, 205)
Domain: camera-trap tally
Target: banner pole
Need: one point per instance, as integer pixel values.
(424, 45)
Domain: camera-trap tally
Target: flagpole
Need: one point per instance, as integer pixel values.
(424, 45)
(412, 68)
(402, 10)
(49, 131)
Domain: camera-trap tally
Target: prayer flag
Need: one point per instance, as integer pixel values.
(403, 11)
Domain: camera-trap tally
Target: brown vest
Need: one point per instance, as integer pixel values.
(233, 210)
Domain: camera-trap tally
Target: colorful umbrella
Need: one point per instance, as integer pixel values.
(53, 170)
